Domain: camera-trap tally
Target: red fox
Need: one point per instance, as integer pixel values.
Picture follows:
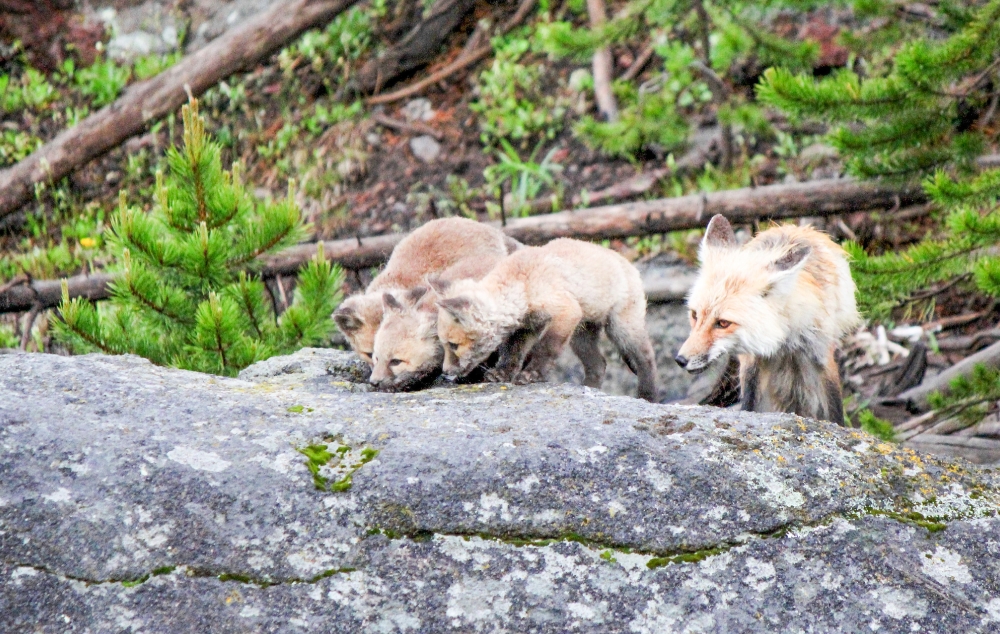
(407, 352)
(450, 247)
(781, 302)
(535, 302)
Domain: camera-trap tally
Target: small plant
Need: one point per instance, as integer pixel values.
(152, 65)
(526, 177)
(102, 81)
(511, 99)
(183, 297)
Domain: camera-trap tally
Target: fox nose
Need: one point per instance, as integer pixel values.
(681, 360)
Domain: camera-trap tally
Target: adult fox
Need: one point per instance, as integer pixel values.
(781, 303)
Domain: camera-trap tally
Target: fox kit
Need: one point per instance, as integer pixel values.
(537, 300)
(450, 247)
(407, 352)
(781, 303)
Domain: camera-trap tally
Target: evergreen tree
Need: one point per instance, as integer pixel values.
(925, 115)
(184, 296)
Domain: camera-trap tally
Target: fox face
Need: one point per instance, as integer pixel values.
(359, 317)
(407, 353)
(744, 298)
(468, 335)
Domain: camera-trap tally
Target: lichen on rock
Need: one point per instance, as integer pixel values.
(130, 489)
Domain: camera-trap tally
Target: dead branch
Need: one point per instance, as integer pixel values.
(465, 60)
(147, 101)
(817, 198)
(640, 62)
(403, 126)
(603, 66)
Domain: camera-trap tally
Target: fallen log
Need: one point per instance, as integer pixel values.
(917, 396)
(149, 100)
(815, 198)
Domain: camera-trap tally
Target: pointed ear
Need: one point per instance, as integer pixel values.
(346, 319)
(794, 259)
(719, 233)
(389, 302)
(457, 307)
(784, 271)
(415, 294)
(438, 285)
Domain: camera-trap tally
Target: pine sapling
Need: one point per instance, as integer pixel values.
(186, 294)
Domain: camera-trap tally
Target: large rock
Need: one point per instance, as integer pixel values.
(139, 499)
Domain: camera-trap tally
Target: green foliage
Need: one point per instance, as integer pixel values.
(512, 100)
(183, 296)
(911, 121)
(152, 65)
(334, 49)
(31, 91)
(103, 81)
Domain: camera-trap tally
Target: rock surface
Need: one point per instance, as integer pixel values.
(140, 499)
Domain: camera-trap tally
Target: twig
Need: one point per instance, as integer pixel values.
(639, 63)
(403, 126)
(462, 62)
(29, 321)
(603, 66)
(17, 280)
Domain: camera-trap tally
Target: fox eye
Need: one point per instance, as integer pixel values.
(394, 363)
(694, 315)
(722, 323)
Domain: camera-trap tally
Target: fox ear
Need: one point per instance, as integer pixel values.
(794, 259)
(414, 294)
(346, 319)
(719, 233)
(390, 302)
(457, 307)
(784, 270)
(437, 284)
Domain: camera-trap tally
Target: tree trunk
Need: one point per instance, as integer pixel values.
(150, 100)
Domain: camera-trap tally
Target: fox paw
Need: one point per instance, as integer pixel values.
(528, 376)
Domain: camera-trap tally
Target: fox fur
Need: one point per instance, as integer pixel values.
(539, 299)
(407, 352)
(781, 303)
(451, 247)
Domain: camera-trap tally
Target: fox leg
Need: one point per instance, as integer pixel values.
(584, 345)
(627, 330)
(547, 350)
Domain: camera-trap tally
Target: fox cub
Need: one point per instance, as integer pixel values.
(537, 300)
(407, 352)
(781, 302)
(451, 247)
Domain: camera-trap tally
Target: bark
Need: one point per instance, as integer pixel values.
(816, 198)
(147, 101)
